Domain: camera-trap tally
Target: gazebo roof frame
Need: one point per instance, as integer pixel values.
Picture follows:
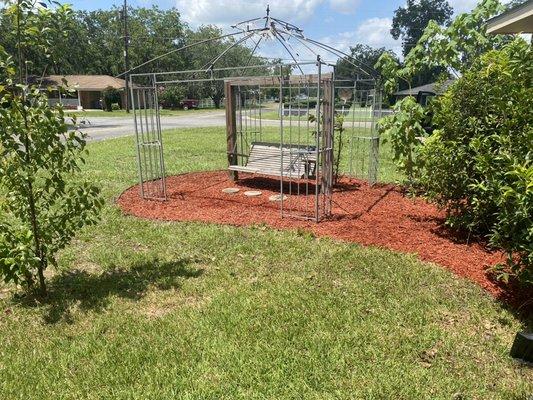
(275, 28)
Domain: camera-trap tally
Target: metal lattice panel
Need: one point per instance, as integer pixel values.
(150, 161)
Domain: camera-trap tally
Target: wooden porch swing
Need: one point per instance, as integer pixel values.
(280, 160)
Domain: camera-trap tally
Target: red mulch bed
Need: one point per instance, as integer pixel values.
(380, 215)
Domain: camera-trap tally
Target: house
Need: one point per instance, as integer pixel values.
(518, 19)
(425, 92)
(88, 89)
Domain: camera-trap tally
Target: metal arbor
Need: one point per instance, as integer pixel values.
(300, 152)
(306, 144)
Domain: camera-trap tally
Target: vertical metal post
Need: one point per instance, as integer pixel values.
(331, 139)
(159, 137)
(352, 137)
(126, 52)
(318, 133)
(281, 134)
(137, 138)
(376, 116)
(372, 173)
(260, 115)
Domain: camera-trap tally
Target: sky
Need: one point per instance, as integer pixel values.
(340, 23)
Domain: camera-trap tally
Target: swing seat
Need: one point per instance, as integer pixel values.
(272, 159)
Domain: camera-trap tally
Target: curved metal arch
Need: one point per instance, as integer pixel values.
(358, 64)
(278, 28)
(366, 69)
(212, 63)
(176, 50)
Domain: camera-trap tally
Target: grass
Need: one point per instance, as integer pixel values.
(358, 148)
(142, 309)
(122, 113)
(352, 115)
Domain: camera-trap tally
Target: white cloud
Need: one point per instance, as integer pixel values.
(460, 6)
(374, 32)
(227, 12)
(344, 6)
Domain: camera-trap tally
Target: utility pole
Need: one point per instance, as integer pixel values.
(126, 54)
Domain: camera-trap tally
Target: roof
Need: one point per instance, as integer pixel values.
(435, 87)
(85, 82)
(518, 19)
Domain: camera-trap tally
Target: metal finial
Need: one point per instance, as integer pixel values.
(268, 10)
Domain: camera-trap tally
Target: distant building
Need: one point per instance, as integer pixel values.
(88, 89)
(424, 92)
(518, 19)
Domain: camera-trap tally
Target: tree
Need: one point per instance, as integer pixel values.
(91, 42)
(152, 31)
(366, 55)
(111, 96)
(410, 21)
(202, 56)
(42, 206)
(171, 96)
(454, 49)
(53, 35)
(404, 129)
(478, 163)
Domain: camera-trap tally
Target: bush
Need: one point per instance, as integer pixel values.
(45, 202)
(303, 103)
(111, 96)
(479, 162)
(171, 96)
(404, 129)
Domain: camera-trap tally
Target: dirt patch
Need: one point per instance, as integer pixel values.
(377, 215)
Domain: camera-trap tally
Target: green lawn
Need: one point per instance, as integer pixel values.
(352, 115)
(153, 310)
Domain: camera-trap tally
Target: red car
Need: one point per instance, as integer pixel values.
(189, 103)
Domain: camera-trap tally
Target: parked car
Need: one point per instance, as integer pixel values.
(189, 103)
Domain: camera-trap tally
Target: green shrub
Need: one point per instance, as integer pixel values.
(115, 106)
(171, 96)
(43, 202)
(404, 130)
(479, 162)
(110, 97)
(302, 103)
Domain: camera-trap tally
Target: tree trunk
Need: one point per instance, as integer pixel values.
(217, 99)
(31, 202)
(42, 283)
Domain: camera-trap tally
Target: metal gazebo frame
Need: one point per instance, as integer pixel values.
(302, 155)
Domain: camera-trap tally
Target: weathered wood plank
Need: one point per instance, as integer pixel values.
(231, 130)
(275, 80)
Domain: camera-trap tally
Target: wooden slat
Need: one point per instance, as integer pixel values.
(266, 159)
(275, 80)
(231, 130)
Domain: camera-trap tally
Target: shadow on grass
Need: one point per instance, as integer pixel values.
(94, 291)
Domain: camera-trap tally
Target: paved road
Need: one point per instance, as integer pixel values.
(102, 128)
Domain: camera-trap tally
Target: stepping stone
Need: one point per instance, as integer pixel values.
(277, 197)
(253, 193)
(230, 190)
